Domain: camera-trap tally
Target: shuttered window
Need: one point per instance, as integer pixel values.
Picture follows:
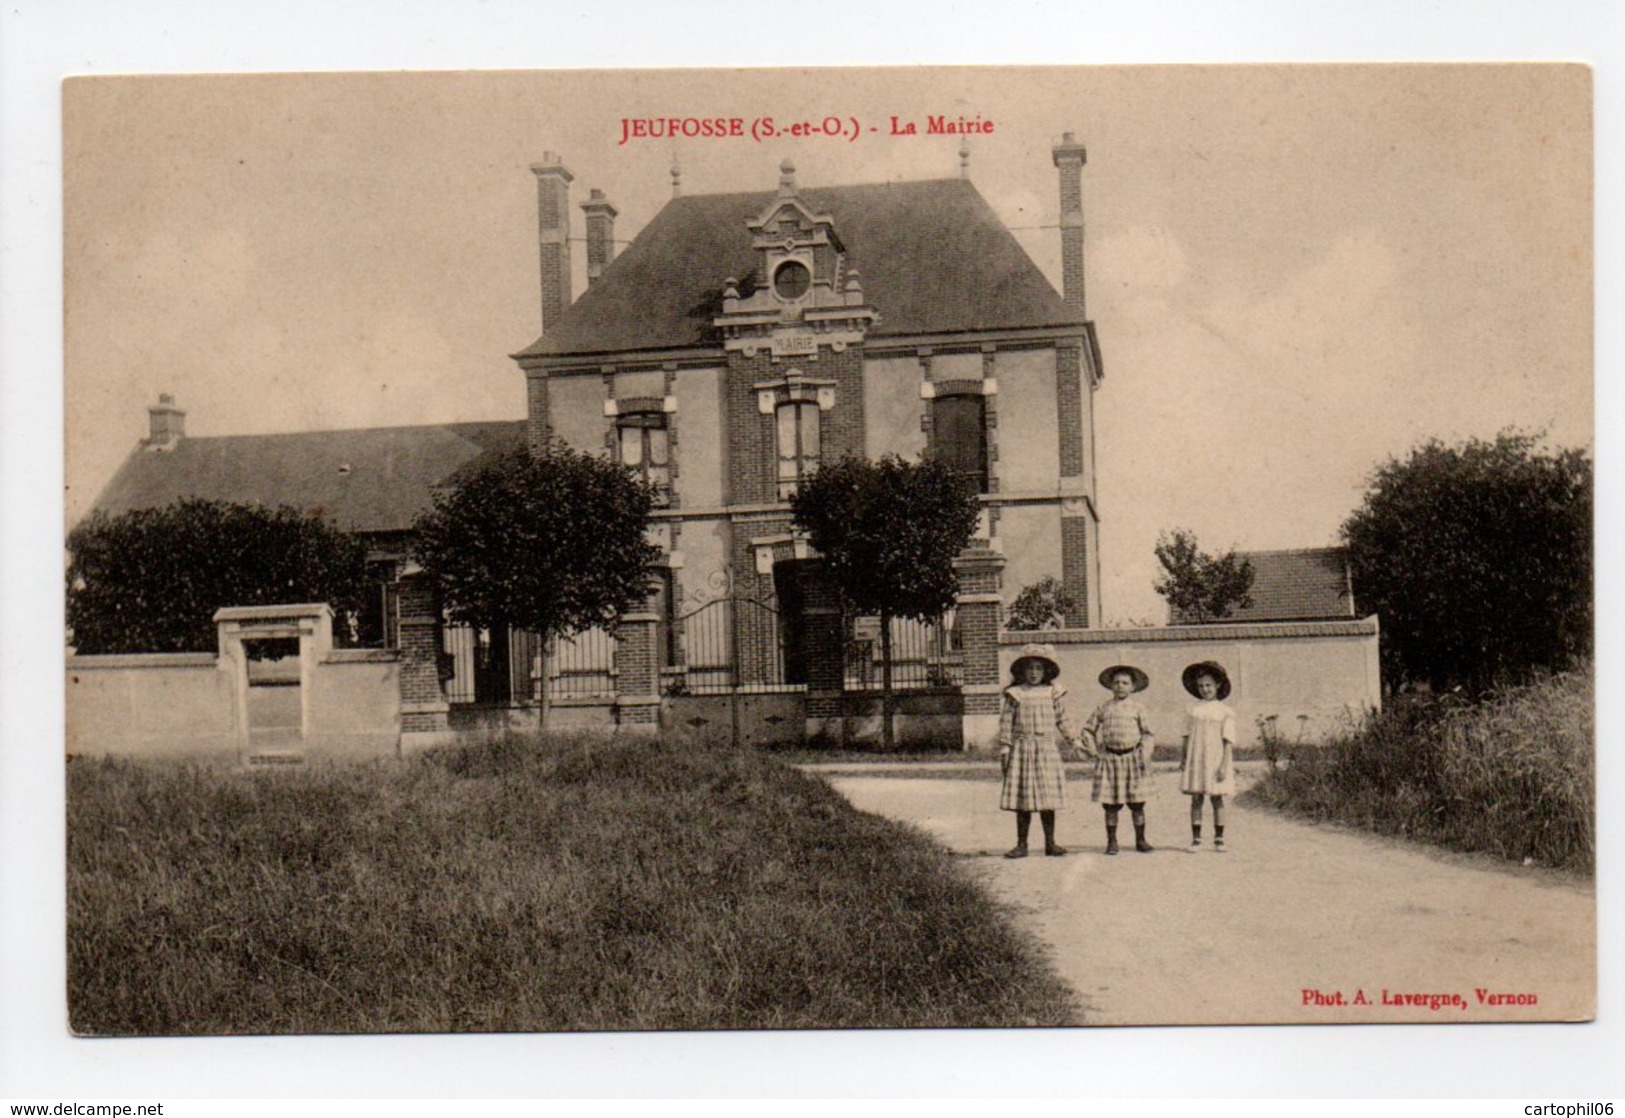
(959, 436)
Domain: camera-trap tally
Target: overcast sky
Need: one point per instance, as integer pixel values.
(1295, 271)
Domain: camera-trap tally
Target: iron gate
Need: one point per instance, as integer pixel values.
(735, 644)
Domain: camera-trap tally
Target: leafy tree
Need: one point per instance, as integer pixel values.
(1043, 605)
(552, 543)
(889, 532)
(1201, 587)
(151, 580)
(1477, 557)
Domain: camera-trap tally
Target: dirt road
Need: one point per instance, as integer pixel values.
(1295, 923)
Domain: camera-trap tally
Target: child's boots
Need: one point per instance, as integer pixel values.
(1047, 818)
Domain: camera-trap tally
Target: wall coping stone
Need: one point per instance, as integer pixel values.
(142, 660)
(1256, 630)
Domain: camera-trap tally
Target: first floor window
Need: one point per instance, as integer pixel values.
(959, 437)
(798, 443)
(646, 449)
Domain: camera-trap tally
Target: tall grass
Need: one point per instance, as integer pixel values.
(1513, 775)
(516, 885)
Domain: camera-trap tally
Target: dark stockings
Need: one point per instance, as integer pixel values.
(1137, 814)
(1024, 826)
(1047, 818)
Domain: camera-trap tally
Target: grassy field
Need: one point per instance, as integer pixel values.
(520, 885)
(1513, 775)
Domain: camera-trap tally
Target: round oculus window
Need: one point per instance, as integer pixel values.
(792, 280)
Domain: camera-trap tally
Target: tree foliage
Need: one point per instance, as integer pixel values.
(1200, 587)
(889, 532)
(1477, 558)
(551, 543)
(1043, 605)
(151, 580)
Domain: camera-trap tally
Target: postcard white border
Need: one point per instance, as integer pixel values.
(40, 42)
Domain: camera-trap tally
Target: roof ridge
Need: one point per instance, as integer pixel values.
(355, 430)
(1293, 550)
(801, 188)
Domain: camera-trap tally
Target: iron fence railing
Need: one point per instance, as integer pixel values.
(582, 666)
(924, 654)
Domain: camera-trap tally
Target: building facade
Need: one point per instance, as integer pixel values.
(742, 339)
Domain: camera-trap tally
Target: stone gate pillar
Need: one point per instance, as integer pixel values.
(823, 651)
(424, 709)
(978, 618)
(637, 666)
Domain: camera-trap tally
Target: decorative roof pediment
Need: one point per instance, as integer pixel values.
(809, 295)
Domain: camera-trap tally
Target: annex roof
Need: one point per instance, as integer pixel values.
(933, 257)
(370, 480)
(1303, 584)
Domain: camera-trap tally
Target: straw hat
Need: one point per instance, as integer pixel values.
(1207, 667)
(1141, 680)
(1043, 653)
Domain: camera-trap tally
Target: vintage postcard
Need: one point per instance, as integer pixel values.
(1266, 398)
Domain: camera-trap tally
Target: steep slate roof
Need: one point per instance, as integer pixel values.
(371, 480)
(933, 257)
(1299, 585)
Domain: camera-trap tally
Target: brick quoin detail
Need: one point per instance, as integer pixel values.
(843, 426)
(1075, 567)
(536, 429)
(751, 463)
(1069, 408)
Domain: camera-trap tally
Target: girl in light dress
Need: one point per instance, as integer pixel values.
(1208, 767)
(1032, 725)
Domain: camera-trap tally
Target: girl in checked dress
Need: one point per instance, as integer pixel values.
(1032, 724)
(1118, 736)
(1208, 767)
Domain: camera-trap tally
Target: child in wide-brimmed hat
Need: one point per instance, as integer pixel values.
(1208, 766)
(1118, 736)
(1032, 723)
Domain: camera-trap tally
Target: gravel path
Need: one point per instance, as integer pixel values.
(1295, 923)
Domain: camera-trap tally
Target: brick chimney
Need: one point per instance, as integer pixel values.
(166, 422)
(1070, 157)
(600, 233)
(553, 235)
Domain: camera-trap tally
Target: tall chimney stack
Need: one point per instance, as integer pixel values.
(1070, 157)
(600, 233)
(166, 423)
(553, 235)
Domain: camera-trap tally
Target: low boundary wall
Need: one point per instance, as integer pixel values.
(1312, 676)
(187, 705)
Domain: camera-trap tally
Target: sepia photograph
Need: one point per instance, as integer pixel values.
(557, 551)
